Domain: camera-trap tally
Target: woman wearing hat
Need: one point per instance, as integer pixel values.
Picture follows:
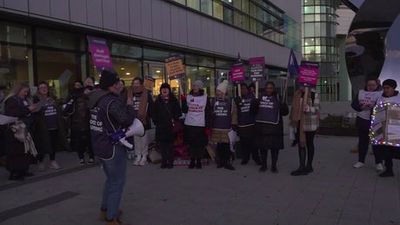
(390, 95)
(269, 110)
(197, 112)
(222, 113)
(166, 112)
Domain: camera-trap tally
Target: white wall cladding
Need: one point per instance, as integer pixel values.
(158, 21)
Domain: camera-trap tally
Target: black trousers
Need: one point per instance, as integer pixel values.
(364, 141)
(387, 153)
(53, 136)
(249, 148)
(274, 156)
(223, 154)
(81, 143)
(167, 152)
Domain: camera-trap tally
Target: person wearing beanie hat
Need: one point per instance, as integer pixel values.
(390, 95)
(222, 123)
(223, 86)
(109, 116)
(197, 110)
(269, 110)
(142, 103)
(108, 79)
(166, 116)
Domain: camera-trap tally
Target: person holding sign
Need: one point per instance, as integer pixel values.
(269, 110)
(49, 126)
(363, 104)
(142, 103)
(221, 121)
(310, 114)
(197, 112)
(390, 95)
(246, 125)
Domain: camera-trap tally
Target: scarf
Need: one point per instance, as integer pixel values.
(22, 135)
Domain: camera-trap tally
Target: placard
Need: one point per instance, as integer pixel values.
(149, 83)
(308, 74)
(237, 72)
(385, 125)
(369, 97)
(100, 53)
(175, 68)
(257, 65)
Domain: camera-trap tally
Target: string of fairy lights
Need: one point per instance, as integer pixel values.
(374, 136)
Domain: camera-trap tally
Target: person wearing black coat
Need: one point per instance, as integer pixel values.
(77, 110)
(165, 116)
(17, 105)
(269, 109)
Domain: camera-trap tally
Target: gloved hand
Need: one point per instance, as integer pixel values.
(117, 135)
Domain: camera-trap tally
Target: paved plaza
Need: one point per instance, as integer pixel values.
(335, 194)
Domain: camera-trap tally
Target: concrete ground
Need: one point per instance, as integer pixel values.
(334, 194)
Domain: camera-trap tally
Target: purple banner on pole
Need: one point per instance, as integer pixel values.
(308, 74)
(257, 67)
(100, 53)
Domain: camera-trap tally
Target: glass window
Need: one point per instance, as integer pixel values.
(223, 64)
(317, 29)
(245, 22)
(15, 33)
(183, 2)
(237, 4)
(309, 50)
(228, 1)
(123, 49)
(59, 39)
(309, 9)
(155, 54)
(237, 18)
(228, 15)
(245, 6)
(156, 71)
(253, 26)
(195, 60)
(194, 4)
(207, 6)
(207, 75)
(15, 66)
(127, 69)
(218, 10)
(309, 18)
(309, 30)
(59, 69)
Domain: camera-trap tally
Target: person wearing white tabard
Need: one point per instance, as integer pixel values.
(390, 95)
(363, 104)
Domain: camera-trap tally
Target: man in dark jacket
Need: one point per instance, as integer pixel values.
(108, 117)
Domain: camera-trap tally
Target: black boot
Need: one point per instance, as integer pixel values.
(198, 163)
(274, 156)
(228, 165)
(192, 163)
(264, 160)
(387, 173)
(302, 159)
(16, 176)
(163, 164)
(309, 169)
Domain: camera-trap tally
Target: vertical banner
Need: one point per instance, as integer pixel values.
(175, 68)
(308, 74)
(257, 65)
(100, 53)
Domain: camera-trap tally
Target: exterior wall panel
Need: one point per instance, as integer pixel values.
(40, 7)
(178, 22)
(135, 17)
(59, 9)
(20, 5)
(146, 19)
(109, 15)
(123, 21)
(78, 11)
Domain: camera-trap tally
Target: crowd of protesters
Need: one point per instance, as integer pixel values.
(204, 121)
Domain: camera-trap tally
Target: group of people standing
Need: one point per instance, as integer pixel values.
(374, 93)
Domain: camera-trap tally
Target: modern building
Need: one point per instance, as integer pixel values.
(320, 45)
(47, 39)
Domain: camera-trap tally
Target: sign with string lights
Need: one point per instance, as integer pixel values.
(385, 124)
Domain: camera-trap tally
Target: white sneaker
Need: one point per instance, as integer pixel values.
(379, 167)
(41, 167)
(143, 161)
(137, 160)
(131, 155)
(358, 165)
(54, 165)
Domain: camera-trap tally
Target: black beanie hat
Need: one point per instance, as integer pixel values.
(108, 79)
(390, 82)
(165, 85)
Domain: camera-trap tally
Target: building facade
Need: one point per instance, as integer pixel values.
(45, 40)
(319, 44)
